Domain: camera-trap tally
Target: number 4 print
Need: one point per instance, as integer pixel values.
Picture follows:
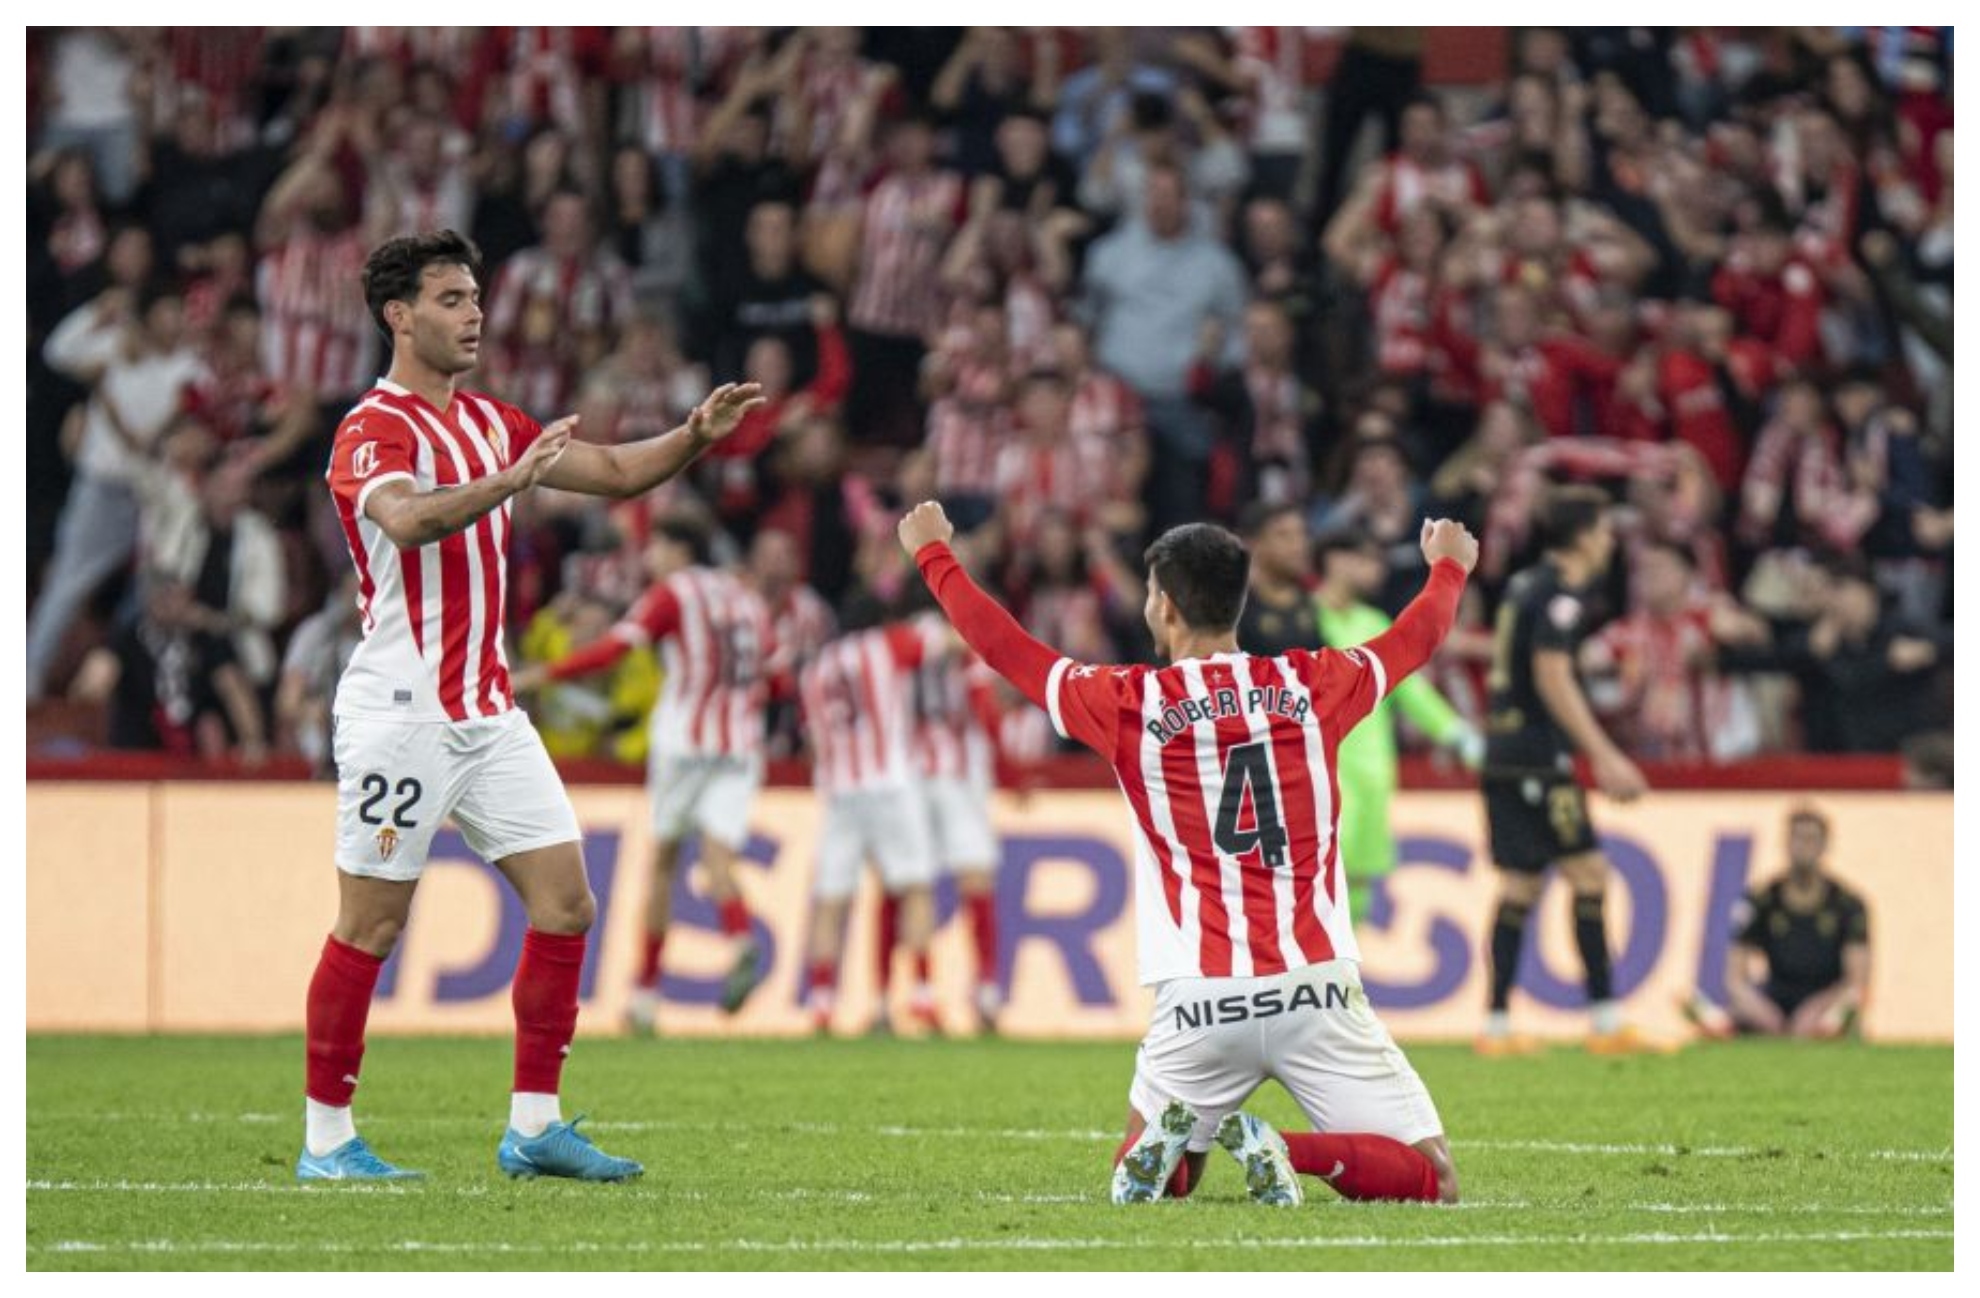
(1248, 767)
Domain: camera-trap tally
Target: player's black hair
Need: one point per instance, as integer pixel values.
(1204, 570)
(1569, 514)
(686, 530)
(1807, 812)
(393, 271)
(1260, 514)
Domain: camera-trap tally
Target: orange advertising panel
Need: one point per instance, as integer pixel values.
(185, 907)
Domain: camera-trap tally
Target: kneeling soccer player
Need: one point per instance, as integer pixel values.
(1226, 760)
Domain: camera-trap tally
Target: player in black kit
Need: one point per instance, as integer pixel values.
(1534, 807)
(1813, 937)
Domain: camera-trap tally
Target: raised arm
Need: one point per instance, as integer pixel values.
(637, 467)
(982, 622)
(1415, 635)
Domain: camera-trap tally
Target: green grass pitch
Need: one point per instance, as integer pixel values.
(179, 1152)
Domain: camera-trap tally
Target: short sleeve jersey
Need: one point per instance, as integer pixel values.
(432, 614)
(1227, 763)
(1539, 612)
(1803, 947)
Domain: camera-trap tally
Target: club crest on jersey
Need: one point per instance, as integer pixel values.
(388, 842)
(364, 459)
(1564, 611)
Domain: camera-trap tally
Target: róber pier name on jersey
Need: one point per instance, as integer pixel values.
(1265, 1004)
(1178, 717)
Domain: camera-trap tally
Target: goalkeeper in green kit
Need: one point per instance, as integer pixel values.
(1351, 570)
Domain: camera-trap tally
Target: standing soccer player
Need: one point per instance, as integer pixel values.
(855, 698)
(705, 755)
(1535, 811)
(426, 722)
(1227, 760)
(955, 751)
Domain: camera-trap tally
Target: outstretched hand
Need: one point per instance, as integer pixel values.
(543, 453)
(925, 524)
(722, 411)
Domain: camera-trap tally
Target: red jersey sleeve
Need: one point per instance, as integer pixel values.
(523, 430)
(1346, 684)
(1086, 701)
(371, 449)
(656, 616)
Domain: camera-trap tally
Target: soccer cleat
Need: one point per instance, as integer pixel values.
(744, 976)
(1627, 1040)
(641, 1012)
(989, 1004)
(351, 1161)
(927, 1022)
(1496, 1046)
(1710, 1019)
(1261, 1152)
(1142, 1175)
(562, 1150)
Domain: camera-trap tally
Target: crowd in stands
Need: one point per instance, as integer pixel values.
(1080, 284)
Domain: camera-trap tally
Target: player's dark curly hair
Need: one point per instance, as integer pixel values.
(393, 271)
(1204, 571)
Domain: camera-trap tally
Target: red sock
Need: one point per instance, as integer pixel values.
(1179, 1184)
(983, 931)
(921, 968)
(735, 917)
(546, 1004)
(824, 976)
(339, 1002)
(890, 932)
(649, 959)
(1364, 1166)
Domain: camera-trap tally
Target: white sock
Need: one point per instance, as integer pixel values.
(1607, 1015)
(532, 1112)
(1498, 1023)
(326, 1126)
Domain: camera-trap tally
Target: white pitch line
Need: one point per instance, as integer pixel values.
(1697, 1151)
(1018, 1244)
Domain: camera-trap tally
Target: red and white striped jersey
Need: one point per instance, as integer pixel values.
(908, 221)
(803, 624)
(1228, 764)
(714, 635)
(855, 698)
(316, 332)
(954, 705)
(432, 614)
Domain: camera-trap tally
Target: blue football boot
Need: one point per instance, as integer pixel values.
(562, 1150)
(351, 1161)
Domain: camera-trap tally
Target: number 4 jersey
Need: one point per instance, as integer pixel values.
(1227, 763)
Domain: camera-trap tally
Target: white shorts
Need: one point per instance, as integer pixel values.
(704, 791)
(1213, 1040)
(959, 824)
(397, 780)
(886, 826)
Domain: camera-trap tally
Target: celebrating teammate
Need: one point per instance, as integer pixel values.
(705, 757)
(1226, 760)
(1535, 811)
(855, 698)
(427, 727)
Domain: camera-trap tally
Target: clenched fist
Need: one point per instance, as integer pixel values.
(924, 525)
(1444, 539)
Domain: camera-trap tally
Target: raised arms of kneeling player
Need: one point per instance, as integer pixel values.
(1028, 664)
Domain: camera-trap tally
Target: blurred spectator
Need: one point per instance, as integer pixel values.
(1379, 70)
(1095, 102)
(895, 301)
(772, 296)
(1151, 288)
(1382, 501)
(92, 96)
(1864, 673)
(1664, 698)
(311, 666)
(138, 364)
(556, 307)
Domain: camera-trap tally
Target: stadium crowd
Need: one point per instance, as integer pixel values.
(1080, 284)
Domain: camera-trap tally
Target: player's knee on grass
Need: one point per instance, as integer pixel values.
(1438, 1151)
